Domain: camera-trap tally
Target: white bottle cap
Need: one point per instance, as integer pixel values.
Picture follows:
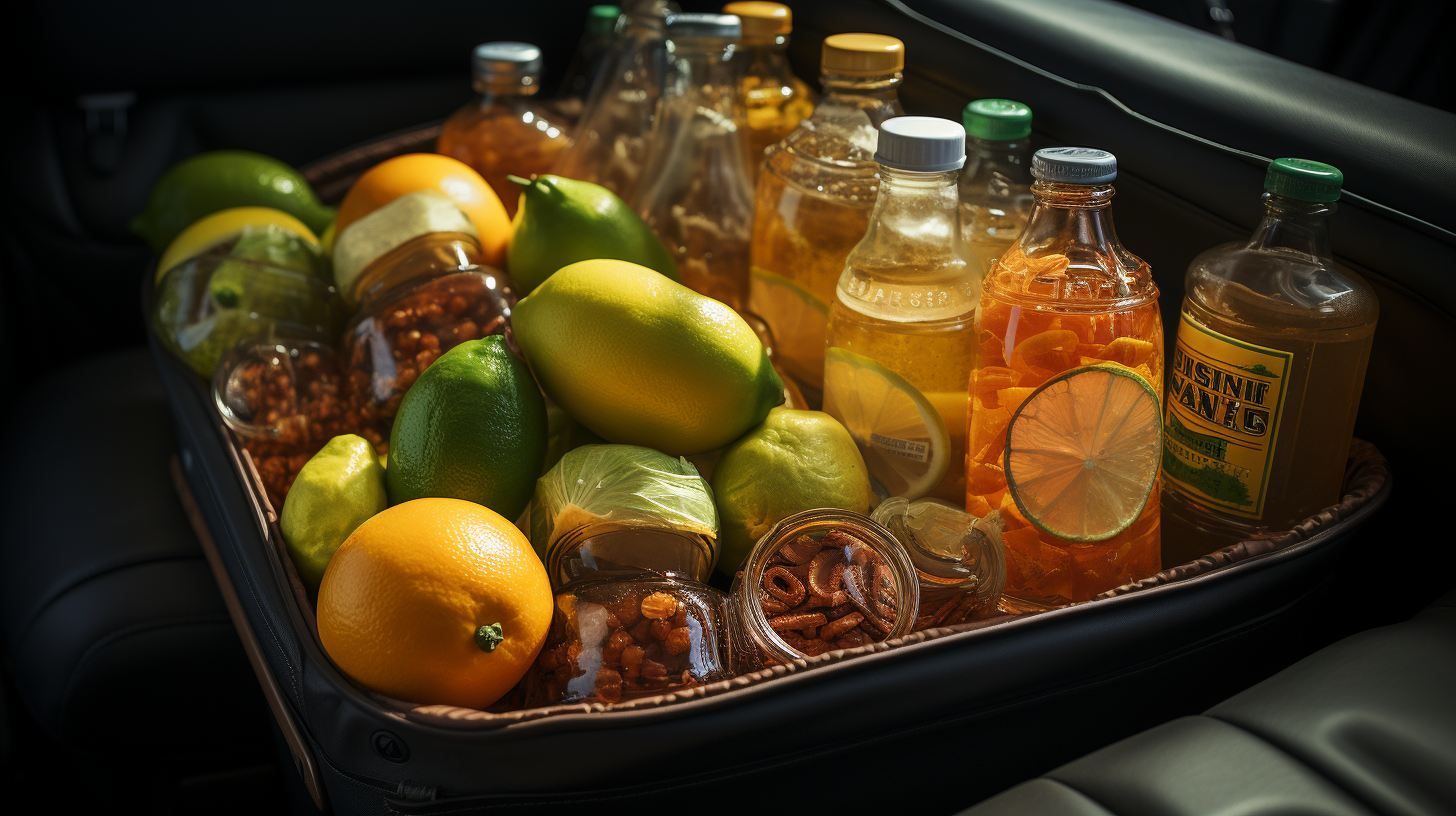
(921, 144)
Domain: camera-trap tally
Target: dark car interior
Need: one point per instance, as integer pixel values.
(1321, 684)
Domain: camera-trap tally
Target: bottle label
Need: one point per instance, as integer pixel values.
(1225, 397)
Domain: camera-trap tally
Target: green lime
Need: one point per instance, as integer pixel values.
(791, 462)
(1082, 452)
(472, 427)
(902, 436)
(337, 490)
(219, 179)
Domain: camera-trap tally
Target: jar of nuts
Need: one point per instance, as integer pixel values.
(414, 269)
(615, 640)
(822, 580)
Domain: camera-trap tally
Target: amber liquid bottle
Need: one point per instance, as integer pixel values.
(1265, 380)
(774, 100)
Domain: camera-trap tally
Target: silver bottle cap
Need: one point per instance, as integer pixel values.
(1073, 165)
(921, 144)
(506, 60)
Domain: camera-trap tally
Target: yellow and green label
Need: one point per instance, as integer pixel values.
(1225, 397)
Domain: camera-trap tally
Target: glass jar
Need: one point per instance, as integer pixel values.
(504, 131)
(996, 182)
(695, 193)
(774, 100)
(958, 559)
(821, 580)
(813, 199)
(417, 299)
(207, 305)
(603, 550)
(635, 637)
(609, 146)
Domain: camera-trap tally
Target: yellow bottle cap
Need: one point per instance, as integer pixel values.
(761, 20)
(862, 55)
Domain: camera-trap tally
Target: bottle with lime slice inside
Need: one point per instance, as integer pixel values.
(900, 330)
(1065, 417)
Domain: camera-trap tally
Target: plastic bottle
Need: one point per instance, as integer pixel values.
(695, 193)
(609, 146)
(504, 131)
(900, 338)
(775, 101)
(1068, 301)
(996, 182)
(814, 196)
(1273, 341)
(588, 62)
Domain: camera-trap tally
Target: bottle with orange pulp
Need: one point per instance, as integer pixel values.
(1273, 342)
(996, 181)
(1065, 418)
(609, 144)
(504, 131)
(814, 196)
(695, 193)
(775, 101)
(901, 328)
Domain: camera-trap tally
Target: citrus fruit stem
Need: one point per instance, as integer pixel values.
(490, 636)
(520, 182)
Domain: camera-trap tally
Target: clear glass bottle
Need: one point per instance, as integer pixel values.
(958, 559)
(813, 199)
(900, 329)
(1273, 342)
(1065, 299)
(775, 101)
(609, 145)
(504, 131)
(695, 193)
(817, 581)
(588, 63)
(996, 182)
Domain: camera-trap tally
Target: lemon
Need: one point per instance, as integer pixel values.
(222, 226)
(1082, 452)
(472, 427)
(337, 490)
(900, 433)
(791, 462)
(642, 360)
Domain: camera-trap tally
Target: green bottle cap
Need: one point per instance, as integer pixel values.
(1000, 120)
(601, 20)
(1304, 179)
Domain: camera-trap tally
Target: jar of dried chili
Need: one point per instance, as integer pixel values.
(414, 269)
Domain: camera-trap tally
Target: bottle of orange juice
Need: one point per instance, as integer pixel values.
(900, 339)
(774, 100)
(1065, 429)
(503, 131)
(814, 196)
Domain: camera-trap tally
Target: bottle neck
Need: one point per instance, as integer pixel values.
(421, 258)
(698, 64)
(1291, 225)
(868, 93)
(503, 88)
(1073, 215)
(1002, 164)
(1069, 252)
(767, 58)
(896, 183)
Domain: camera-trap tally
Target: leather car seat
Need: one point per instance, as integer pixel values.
(1366, 726)
(114, 630)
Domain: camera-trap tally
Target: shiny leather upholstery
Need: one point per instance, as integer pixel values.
(113, 627)
(1366, 726)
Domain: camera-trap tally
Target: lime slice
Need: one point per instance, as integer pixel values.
(902, 437)
(1082, 452)
(797, 320)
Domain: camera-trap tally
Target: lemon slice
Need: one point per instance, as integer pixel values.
(900, 434)
(1082, 452)
(797, 320)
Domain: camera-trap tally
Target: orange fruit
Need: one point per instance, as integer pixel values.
(394, 177)
(435, 601)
